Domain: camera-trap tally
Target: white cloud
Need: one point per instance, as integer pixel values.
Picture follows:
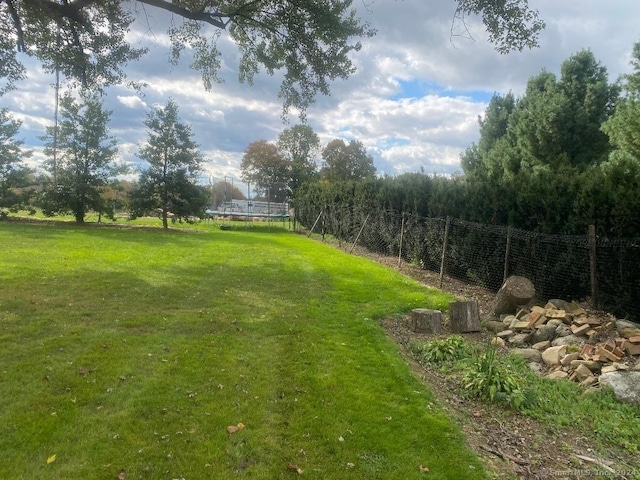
(131, 101)
(413, 44)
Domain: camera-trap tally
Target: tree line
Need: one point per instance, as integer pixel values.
(279, 170)
(82, 169)
(564, 155)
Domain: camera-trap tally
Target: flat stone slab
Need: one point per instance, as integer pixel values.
(625, 385)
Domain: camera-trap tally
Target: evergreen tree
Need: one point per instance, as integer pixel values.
(13, 173)
(84, 160)
(174, 161)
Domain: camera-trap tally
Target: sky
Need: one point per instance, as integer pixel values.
(413, 102)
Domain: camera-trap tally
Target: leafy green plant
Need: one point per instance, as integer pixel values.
(488, 378)
(415, 349)
(444, 350)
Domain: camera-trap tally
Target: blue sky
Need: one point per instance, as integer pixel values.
(414, 101)
(420, 88)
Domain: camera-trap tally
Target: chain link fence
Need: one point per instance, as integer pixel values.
(606, 272)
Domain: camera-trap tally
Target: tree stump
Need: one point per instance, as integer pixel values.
(424, 320)
(515, 292)
(464, 317)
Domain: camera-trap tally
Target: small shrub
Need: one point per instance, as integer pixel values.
(487, 378)
(415, 349)
(445, 350)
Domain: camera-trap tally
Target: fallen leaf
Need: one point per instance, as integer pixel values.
(350, 465)
(240, 426)
(341, 439)
(51, 459)
(232, 429)
(294, 468)
(424, 469)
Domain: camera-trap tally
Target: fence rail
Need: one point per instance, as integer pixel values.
(603, 271)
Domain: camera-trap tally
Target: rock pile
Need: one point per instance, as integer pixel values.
(563, 341)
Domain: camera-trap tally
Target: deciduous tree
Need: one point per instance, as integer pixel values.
(267, 170)
(300, 145)
(511, 25)
(346, 162)
(221, 192)
(311, 42)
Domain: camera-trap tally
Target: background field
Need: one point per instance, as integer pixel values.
(130, 351)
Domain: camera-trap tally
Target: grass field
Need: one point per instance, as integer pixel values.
(127, 353)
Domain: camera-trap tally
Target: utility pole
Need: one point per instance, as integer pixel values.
(55, 113)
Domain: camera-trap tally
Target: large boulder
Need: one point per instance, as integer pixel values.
(552, 355)
(515, 292)
(560, 304)
(625, 324)
(495, 326)
(544, 333)
(568, 340)
(625, 385)
(529, 354)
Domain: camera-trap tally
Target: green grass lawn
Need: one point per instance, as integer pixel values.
(130, 351)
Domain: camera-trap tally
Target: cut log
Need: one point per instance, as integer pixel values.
(424, 320)
(464, 317)
(515, 292)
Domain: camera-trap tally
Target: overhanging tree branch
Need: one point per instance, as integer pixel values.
(310, 41)
(18, 24)
(212, 18)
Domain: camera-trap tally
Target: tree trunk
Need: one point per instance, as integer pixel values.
(464, 317)
(79, 214)
(424, 320)
(514, 293)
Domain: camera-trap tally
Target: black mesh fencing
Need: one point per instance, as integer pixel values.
(560, 266)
